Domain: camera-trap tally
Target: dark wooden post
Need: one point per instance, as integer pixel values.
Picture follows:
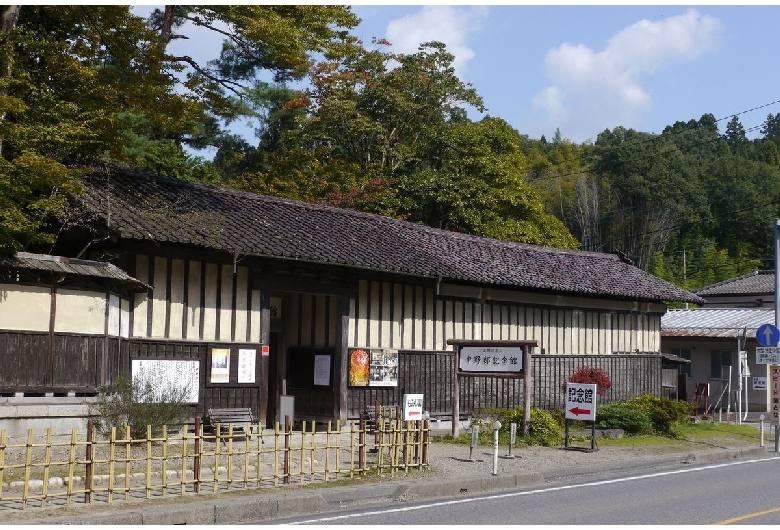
(377, 420)
(456, 394)
(362, 442)
(198, 450)
(527, 382)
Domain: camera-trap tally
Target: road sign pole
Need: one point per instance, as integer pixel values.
(777, 324)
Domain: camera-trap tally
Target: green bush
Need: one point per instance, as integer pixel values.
(544, 429)
(137, 404)
(619, 416)
(666, 414)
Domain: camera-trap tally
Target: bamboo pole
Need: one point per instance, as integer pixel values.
(287, 440)
(71, 464)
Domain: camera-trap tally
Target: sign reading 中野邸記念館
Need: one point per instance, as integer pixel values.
(491, 359)
(581, 401)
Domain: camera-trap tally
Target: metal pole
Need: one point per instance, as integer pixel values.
(512, 438)
(777, 315)
(496, 427)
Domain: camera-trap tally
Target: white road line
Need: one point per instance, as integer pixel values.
(532, 492)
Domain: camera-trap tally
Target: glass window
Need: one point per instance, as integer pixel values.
(685, 353)
(720, 360)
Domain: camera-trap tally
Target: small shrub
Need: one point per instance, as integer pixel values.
(666, 414)
(137, 404)
(544, 429)
(619, 416)
(591, 375)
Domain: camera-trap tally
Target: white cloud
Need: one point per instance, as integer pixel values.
(446, 24)
(593, 91)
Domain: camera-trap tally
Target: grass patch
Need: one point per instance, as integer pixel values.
(714, 434)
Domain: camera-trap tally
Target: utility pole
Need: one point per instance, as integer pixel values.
(685, 277)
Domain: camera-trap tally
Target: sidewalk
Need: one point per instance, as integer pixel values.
(452, 473)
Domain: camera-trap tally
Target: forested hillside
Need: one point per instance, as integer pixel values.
(87, 86)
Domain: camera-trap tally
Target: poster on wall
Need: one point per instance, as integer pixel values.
(246, 365)
(373, 367)
(322, 370)
(166, 375)
(220, 365)
(358, 366)
(384, 368)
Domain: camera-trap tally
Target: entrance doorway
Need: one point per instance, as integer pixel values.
(275, 343)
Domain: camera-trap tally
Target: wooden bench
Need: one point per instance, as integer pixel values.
(239, 417)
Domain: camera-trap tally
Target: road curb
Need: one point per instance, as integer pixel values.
(264, 507)
(463, 486)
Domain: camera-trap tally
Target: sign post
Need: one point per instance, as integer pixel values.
(581, 405)
(768, 335)
(492, 358)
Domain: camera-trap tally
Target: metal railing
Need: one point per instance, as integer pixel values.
(86, 469)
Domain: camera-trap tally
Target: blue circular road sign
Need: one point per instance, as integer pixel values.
(767, 335)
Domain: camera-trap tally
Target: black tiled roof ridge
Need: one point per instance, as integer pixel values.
(336, 210)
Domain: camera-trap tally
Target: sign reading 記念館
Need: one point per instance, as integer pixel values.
(581, 401)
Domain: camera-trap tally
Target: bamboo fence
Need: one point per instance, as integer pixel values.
(86, 469)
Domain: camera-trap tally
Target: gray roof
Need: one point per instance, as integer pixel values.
(714, 322)
(755, 283)
(171, 211)
(58, 265)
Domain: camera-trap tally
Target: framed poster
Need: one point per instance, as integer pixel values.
(359, 359)
(220, 365)
(246, 365)
(373, 367)
(384, 368)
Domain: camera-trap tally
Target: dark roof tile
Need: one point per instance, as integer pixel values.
(163, 209)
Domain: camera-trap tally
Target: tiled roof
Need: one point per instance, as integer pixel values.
(25, 261)
(714, 322)
(166, 210)
(755, 283)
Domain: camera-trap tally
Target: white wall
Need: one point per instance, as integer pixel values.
(24, 307)
(408, 317)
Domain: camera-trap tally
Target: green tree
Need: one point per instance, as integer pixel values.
(84, 85)
(388, 133)
(735, 137)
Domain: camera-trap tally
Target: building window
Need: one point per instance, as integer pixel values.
(685, 353)
(720, 360)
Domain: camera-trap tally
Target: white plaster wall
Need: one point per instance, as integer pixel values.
(114, 316)
(24, 308)
(418, 320)
(79, 311)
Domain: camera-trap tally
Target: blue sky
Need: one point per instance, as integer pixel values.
(585, 68)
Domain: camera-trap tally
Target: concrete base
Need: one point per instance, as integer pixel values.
(62, 415)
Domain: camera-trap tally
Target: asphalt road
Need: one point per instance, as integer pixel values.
(739, 492)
